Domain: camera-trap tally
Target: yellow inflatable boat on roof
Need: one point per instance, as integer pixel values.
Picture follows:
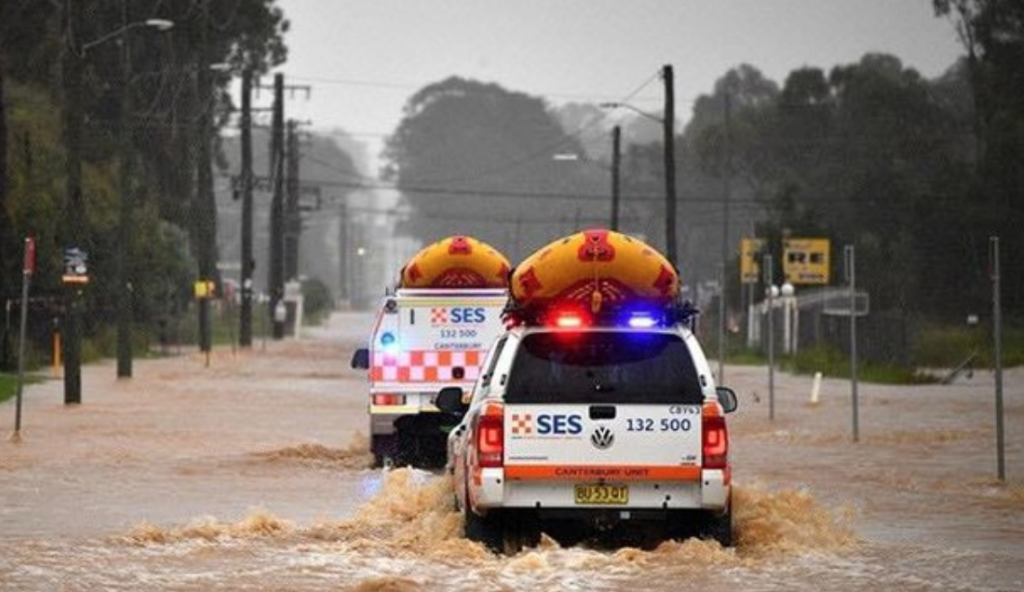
(595, 268)
(456, 262)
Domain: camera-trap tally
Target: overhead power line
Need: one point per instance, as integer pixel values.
(882, 201)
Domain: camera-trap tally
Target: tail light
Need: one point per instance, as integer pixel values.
(715, 442)
(387, 400)
(490, 441)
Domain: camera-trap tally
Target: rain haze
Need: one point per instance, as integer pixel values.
(236, 384)
(365, 58)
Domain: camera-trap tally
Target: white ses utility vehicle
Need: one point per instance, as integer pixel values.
(431, 332)
(422, 341)
(593, 425)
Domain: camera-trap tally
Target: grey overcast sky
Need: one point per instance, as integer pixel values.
(364, 58)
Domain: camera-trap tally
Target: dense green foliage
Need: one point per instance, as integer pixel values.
(916, 174)
(871, 155)
(41, 44)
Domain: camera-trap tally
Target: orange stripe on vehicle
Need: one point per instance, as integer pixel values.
(608, 473)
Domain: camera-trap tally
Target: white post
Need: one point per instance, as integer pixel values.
(816, 389)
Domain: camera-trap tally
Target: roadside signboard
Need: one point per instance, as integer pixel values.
(750, 269)
(205, 289)
(30, 256)
(805, 260)
(76, 266)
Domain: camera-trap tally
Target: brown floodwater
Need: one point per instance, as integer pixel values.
(250, 471)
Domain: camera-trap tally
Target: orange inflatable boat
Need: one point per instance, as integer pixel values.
(456, 262)
(595, 268)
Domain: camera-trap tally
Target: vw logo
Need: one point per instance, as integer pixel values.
(602, 438)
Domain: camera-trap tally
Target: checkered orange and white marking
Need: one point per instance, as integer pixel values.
(522, 424)
(438, 316)
(425, 366)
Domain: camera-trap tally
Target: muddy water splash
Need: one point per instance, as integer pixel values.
(413, 515)
(788, 521)
(356, 455)
(258, 524)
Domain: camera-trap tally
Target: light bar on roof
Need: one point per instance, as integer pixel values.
(642, 320)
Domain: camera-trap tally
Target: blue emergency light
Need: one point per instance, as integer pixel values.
(388, 342)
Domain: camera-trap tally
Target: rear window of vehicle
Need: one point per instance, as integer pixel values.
(603, 367)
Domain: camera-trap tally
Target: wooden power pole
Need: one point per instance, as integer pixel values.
(670, 165)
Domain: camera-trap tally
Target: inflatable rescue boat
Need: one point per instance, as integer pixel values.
(456, 262)
(596, 269)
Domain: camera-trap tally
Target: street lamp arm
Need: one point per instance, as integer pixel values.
(580, 158)
(158, 24)
(640, 112)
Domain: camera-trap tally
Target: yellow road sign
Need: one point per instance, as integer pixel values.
(205, 289)
(750, 269)
(805, 260)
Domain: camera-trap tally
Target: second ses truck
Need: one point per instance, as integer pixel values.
(432, 331)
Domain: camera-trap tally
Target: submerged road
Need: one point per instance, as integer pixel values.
(252, 473)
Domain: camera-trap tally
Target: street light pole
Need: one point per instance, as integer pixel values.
(206, 208)
(76, 223)
(276, 271)
(75, 226)
(245, 324)
(124, 231)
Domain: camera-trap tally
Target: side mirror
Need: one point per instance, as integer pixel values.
(449, 400)
(361, 359)
(727, 398)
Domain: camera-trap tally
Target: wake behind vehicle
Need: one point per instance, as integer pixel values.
(596, 413)
(432, 331)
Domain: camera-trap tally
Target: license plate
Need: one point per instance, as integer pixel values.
(602, 494)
